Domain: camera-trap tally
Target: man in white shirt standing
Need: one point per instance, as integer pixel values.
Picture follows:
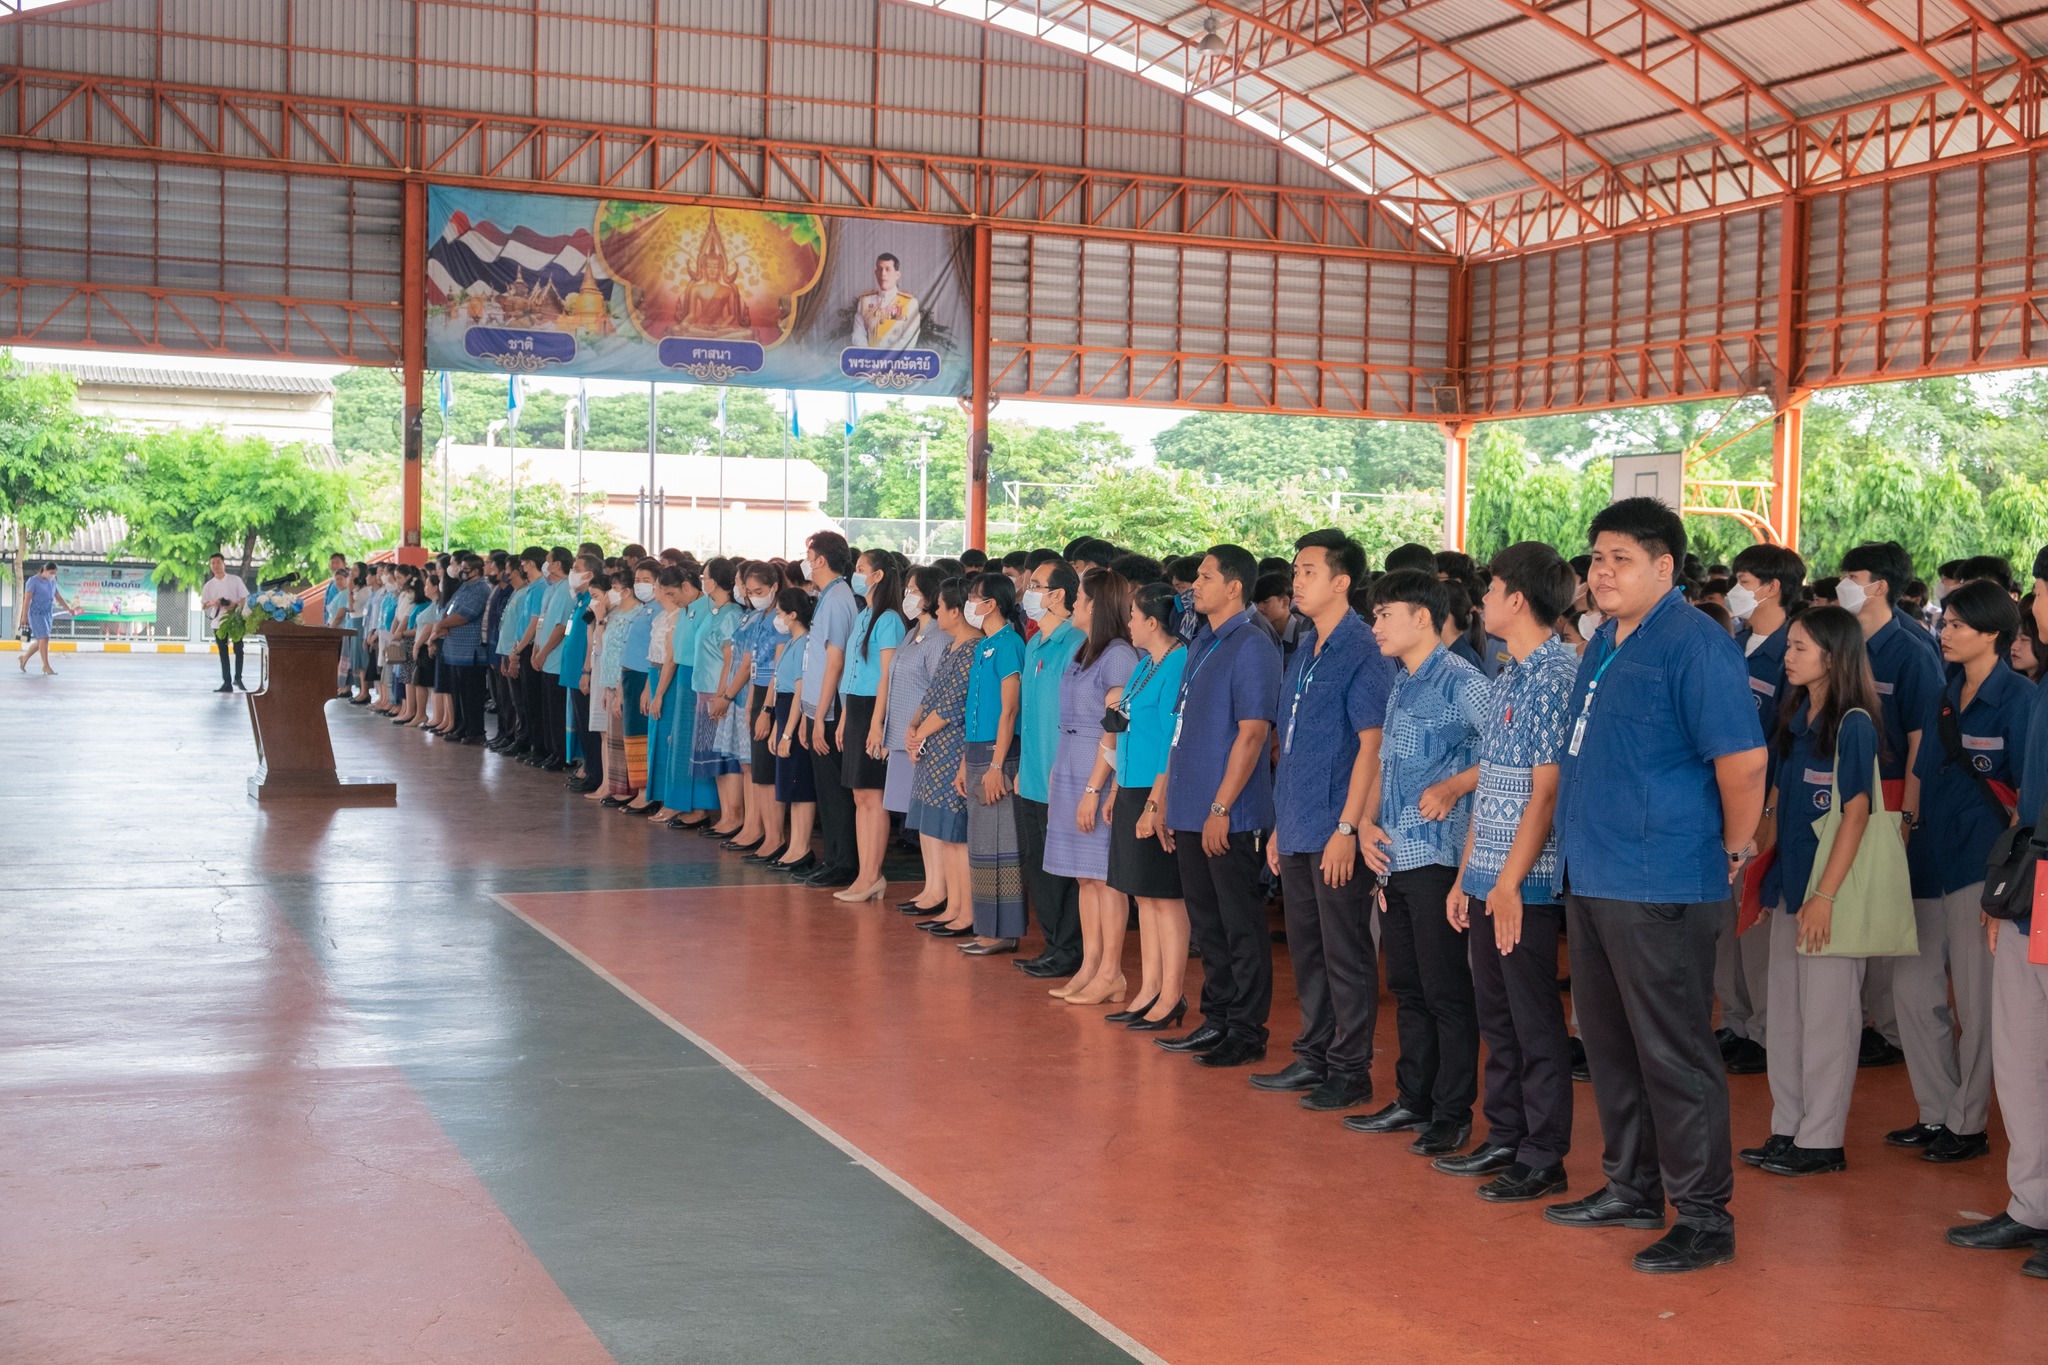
(224, 592)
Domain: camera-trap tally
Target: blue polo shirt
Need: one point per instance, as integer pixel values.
(1908, 689)
(862, 676)
(1957, 824)
(762, 642)
(571, 655)
(1527, 717)
(519, 610)
(1766, 672)
(1046, 657)
(831, 626)
(1435, 717)
(1329, 696)
(1638, 809)
(789, 667)
(996, 657)
(556, 605)
(639, 637)
(1804, 782)
(1232, 675)
(1148, 699)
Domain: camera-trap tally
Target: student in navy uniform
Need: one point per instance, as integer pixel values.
(1906, 662)
(1826, 747)
(1765, 592)
(1332, 708)
(1217, 795)
(1660, 787)
(1969, 770)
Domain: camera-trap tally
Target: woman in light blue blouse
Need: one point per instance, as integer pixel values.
(754, 647)
(864, 713)
(1139, 865)
(710, 765)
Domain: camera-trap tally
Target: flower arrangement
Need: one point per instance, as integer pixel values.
(271, 604)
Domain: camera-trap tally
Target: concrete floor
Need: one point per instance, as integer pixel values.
(496, 1076)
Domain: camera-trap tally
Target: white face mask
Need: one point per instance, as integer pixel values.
(913, 606)
(1741, 602)
(612, 597)
(781, 624)
(762, 601)
(807, 569)
(1590, 621)
(1034, 604)
(578, 578)
(976, 612)
(1852, 595)
(644, 591)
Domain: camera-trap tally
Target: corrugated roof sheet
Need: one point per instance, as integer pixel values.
(213, 381)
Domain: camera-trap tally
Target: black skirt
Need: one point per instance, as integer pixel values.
(856, 769)
(763, 755)
(1139, 867)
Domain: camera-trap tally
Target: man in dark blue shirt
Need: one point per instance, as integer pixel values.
(1217, 795)
(460, 631)
(1659, 794)
(1332, 708)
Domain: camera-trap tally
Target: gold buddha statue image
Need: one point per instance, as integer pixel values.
(716, 274)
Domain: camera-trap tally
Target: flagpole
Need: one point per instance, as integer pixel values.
(846, 465)
(787, 429)
(447, 386)
(651, 445)
(721, 469)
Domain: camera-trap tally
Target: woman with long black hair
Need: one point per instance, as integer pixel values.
(988, 769)
(864, 714)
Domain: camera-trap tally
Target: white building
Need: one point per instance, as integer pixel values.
(285, 408)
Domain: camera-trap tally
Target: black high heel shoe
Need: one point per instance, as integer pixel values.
(1171, 1021)
(735, 846)
(966, 931)
(802, 867)
(766, 855)
(1131, 1015)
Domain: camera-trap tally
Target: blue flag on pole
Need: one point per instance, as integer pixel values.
(447, 395)
(514, 400)
(795, 423)
(582, 409)
(852, 415)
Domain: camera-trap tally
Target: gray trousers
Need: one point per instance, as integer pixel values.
(1816, 1027)
(1951, 1075)
(1878, 1007)
(2019, 1061)
(1742, 976)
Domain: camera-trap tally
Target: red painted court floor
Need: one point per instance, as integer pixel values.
(1215, 1223)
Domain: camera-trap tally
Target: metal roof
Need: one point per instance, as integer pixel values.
(140, 377)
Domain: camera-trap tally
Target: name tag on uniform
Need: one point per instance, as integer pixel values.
(1819, 779)
(1987, 742)
(1578, 736)
(1759, 685)
(1885, 689)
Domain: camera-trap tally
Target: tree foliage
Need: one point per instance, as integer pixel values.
(196, 492)
(58, 469)
(478, 505)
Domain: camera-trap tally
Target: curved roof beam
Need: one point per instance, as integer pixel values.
(1973, 85)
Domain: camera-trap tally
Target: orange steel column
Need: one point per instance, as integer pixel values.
(978, 401)
(1788, 433)
(1457, 464)
(412, 352)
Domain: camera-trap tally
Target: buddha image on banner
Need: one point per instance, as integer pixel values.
(620, 289)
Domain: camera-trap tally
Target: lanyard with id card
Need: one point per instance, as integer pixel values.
(1187, 682)
(1586, 710)
(1301, 690)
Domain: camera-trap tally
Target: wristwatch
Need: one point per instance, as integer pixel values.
(1346, 828)
(1215, 809)
(1091, 791)
(1151, 806)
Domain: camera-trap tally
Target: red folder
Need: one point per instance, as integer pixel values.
(1752, 907)
(2037, 938)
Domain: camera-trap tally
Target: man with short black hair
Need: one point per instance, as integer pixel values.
(460, 631)
(1216, 795)
(1660, 788)
(1411, 556)
(224, 593)
(564, 581)
(828, 559)
(972, 560)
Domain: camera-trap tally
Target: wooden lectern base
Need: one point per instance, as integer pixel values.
(294, 756)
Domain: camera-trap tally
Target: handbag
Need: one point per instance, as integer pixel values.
(2000, 797)
(2009, 871)
(1874, 904)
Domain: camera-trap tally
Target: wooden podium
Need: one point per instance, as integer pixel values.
(294, 757)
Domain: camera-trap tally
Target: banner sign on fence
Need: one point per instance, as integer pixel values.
(102, 594)
(618, 289)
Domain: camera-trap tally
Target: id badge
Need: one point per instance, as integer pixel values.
(1174, 743)
(1578, 736)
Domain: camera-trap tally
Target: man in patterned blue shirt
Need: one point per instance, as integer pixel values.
(1429, 756)
(1509, 878)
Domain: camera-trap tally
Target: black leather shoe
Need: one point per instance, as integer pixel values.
(1166, 1023)
(2003, 1233)
(1131, 1015)
(1395, 1118)
(1952, 1147)
(1201, 1040)
(1441, 1138)
(1232, 1052)
(1519, 1184)
(1746, 1058)
(833, 877)
(765, 855)
(1775, 1146)
(1875, 1051)
(1918, 1138)
(1797, 1160)
(2036, 1266)
(1480, 1161)
(1685, 1248)
(1604, 1209)
(1296, 1076)
(995, 949)
(1338, 1092)
(964, 931)
(1044, 970)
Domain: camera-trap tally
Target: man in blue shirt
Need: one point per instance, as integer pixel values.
(460, 631)
(1429, 761)
(498, 571)
(827, 561)
(1332, 707)
(515, 642)
(1659, 791)
(551, 623)
(1217, 796)
(1769, 580)
(1507, 894)
(1049, 591)
(1906, 663)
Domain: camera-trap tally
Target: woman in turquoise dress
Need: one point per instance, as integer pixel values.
(678, 790)
(712, 767)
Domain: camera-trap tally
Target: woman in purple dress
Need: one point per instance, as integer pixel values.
(1076, 837)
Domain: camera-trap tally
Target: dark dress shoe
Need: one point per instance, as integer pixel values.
(1875, 1051)
(964, 931)
(1482, 1160)
(1604, 1209)
(1129, 1016)
(1919, 1137)
(226, 688)
(1746, 1058)
(1726, 1038)
(1166, 1023)
(1775, 1146)
(801, 868)
(1233, 1052)
(833, 877)
(1395, 1118)
(2003, 1233)
(1519, 1184)
(735, 846)
(995, 949)
(1581, 1070)
(554, 765)
(1952, 1147)
(2036, 1266)
(1797, 1160)
(913, 908)
(1201, 1040)
(1297, 1076)
(1045, 970)
(1685, 1248)
(1441, 1138)
(1338, 1092)
(769, 855)
(614, 802)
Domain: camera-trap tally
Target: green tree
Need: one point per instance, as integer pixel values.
(195, 493)
(478, 504)
(1319, 452)
(58, 469)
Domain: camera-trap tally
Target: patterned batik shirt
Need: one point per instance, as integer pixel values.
(1527, 719)
(1434, 721)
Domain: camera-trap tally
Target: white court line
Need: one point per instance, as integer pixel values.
(1108, 1330)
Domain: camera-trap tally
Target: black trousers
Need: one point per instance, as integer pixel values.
(1056, 901)
(1336, 967)
(1528, 1053)
(1643, 985)
(503, 696)
(835, 805)
(470, 684)
(533, 686)
(554, 718)
(590, 741)
(1227, 919)
(226, 647)
(1438, 1071)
